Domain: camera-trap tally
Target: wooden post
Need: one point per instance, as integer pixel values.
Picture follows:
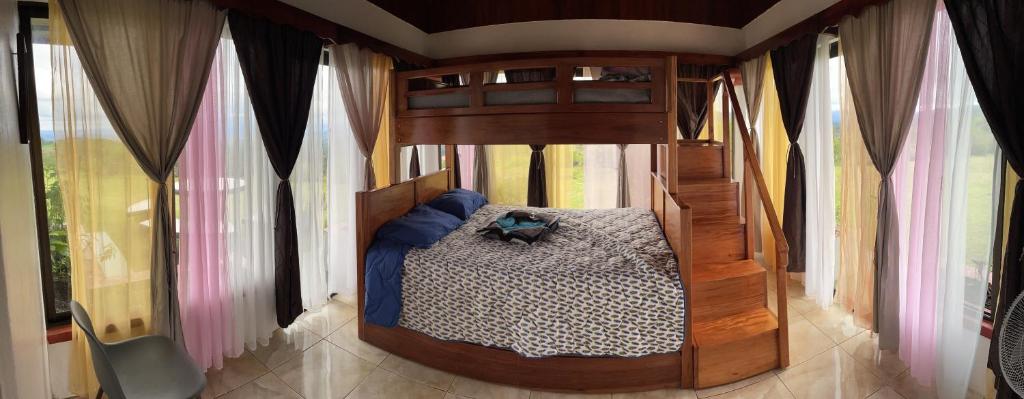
(672, 140)
(709, 115)
(726, 135)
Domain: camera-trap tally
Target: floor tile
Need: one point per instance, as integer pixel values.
(266, 387)
(886, 393)
(418, 372)
(864, 349)
(718, 390)
(908, 387)
(556, 395)
(236, 372)
(324, 371)
(477, 389)
(833, 374)
(659, 394)
(834, 322)
(327, 318)
(347, 337)
(806, 341)
(768, 388)
(383, 384)
(284, 345)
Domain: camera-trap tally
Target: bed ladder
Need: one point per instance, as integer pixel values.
(735, 333)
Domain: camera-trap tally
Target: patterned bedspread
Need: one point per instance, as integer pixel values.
(604, 284)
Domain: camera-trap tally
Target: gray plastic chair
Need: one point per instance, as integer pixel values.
(151, 367)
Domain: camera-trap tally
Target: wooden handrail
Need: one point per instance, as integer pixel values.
(781, 246)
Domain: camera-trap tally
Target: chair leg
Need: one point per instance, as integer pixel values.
(99, 394)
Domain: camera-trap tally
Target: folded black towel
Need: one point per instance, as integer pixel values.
(527, 227)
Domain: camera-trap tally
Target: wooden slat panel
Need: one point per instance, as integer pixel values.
(556, 128)
(430, 186)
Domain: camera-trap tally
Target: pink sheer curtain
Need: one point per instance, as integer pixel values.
(204, 286)
(921, 212)
(466, 158)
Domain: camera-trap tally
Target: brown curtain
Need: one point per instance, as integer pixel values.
(793, 65)
(536, 189)
(481, 183)
(457, 168)
(279, 65)
(150, 83)
(365, 80)
(752, 72)
(414, 162)
(692, 102)
(622, 193)
(885, 48)
(991, 42)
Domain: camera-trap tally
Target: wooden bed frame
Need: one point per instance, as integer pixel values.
(559, 373)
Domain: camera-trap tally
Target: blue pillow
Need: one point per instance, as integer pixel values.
(421, 227)
(459, 202)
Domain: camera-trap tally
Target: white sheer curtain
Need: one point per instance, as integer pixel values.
(308, 184)
(816, 141)
(249, 210)
(429, 156)
(600, 175)
(345, 169)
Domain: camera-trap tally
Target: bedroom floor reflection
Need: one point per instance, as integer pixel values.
(321, 357)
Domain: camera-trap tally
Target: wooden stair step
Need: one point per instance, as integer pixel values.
(701, 161)
(703, 181)
(718, 219)
(723, 241)
(727, 289)
(716, 199)
(732, 348)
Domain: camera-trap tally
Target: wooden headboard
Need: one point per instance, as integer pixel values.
(376, 207)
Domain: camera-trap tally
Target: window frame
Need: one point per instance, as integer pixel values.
(29, 124)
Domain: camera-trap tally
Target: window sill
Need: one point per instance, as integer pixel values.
(986, 329)
(58, 333)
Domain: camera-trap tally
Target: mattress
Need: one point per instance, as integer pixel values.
(605, 283)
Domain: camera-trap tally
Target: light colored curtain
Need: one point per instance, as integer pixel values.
(816, 142)
(150, 83)
(250, 185)
(344, 178)
(948, 234)
(752, 73)
(467, 158)
(382, 150)
(885, 51)
(622, 191)
(600, 169)
(308, 185)
(857, 215)
(638, 166)
(773, 155)
(107, 209)
(507, 167)
(204, 285)
(365, 80)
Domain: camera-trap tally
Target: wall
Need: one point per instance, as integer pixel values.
(22, 326)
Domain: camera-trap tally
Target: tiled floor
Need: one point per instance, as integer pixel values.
(321, 357)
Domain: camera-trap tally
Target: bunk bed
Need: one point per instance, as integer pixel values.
(561, 100)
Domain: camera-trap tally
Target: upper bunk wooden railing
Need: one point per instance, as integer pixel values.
(752, 170)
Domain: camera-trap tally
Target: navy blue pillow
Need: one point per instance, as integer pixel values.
(459, 202)
(421, 227)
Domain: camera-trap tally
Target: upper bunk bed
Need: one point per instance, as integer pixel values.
(568, 100)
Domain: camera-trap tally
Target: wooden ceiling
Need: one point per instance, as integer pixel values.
(434, 16)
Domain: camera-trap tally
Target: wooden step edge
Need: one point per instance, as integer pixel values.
(718, 219)
(738, 327)
(718, 271)
(705, 181)
(699, 143)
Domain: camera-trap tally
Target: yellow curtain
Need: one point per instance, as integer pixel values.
(107, 209)
(508, 171)
(381, 149)
(858, 204)
(773, 160)
(564, 184)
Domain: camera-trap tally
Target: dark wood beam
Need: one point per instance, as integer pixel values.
(813, 24)
(683, 58)
(285, 14)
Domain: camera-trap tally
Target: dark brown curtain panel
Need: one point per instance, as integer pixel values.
(692, 101)
(537, 185)
(991, 43)
(793, 65)
(414, 163)
(150, 83)
(457, 166)
(279, 65)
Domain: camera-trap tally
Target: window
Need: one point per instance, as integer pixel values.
(35, 75)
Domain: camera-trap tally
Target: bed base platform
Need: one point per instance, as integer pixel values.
(556, 373)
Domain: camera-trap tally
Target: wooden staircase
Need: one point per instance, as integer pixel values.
(735, 336)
